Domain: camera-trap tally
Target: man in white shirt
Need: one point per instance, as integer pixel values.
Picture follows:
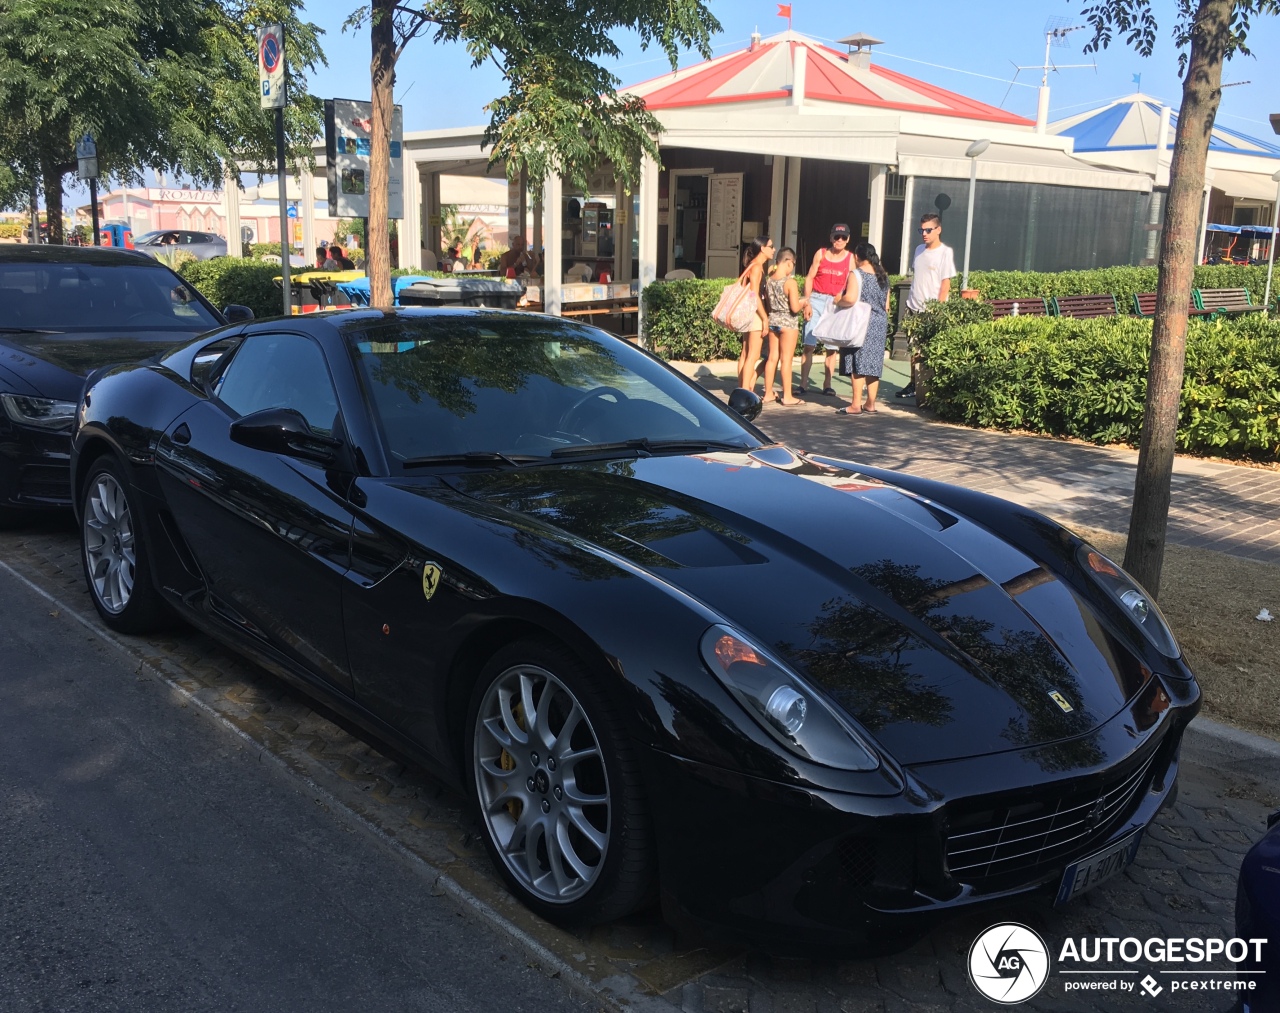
(933, 267)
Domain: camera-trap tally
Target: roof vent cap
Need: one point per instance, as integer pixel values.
(860, 44)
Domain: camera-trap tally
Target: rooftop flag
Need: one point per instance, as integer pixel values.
(784, 11)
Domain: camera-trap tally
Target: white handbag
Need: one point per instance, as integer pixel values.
(845, 326)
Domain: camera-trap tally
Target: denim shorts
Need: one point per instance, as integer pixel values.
(820, 303)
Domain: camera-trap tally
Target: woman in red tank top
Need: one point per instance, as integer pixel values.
(826, 280)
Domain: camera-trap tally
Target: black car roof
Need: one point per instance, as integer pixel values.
(43, 254)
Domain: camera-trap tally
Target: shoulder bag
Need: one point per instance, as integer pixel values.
(737, 307)
(845, 326)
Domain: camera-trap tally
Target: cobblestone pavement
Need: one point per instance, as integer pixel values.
(1182, 883)
(1225, 507)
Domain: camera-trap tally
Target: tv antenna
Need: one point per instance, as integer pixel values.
(1056, 30)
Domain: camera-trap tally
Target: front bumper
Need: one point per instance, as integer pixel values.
(35, 468)
(764, 861)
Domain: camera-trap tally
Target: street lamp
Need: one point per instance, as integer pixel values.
(972, 152)
(1275, 225)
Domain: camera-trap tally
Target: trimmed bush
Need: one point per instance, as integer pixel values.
(226, 280)
(1122, 282)
(1088, 379)
(678, 324)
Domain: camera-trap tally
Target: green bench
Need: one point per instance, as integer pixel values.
(1229, 302)
(1144, 305)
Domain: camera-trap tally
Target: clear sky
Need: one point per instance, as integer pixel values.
(981, 41)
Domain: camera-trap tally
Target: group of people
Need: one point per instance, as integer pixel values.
(838, 277)
(332, 257)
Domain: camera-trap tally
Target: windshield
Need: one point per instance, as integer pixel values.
(81, 297)
(527, 387)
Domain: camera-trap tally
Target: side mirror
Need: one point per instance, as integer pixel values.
(235, 313)
(284, 431)
(746, 403)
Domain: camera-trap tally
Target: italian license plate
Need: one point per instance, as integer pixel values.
(1098, 868)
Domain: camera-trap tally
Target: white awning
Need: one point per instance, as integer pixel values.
(839, 138)
(1245, 185)
(1011, 163)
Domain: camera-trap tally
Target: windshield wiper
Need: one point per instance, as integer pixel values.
(471, 457)
(647, 446)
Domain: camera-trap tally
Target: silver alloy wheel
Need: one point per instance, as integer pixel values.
(542, 784)
(108, 543)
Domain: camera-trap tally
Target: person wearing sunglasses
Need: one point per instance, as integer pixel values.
(932, 269)
(826, 281)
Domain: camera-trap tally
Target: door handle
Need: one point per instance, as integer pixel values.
(182, 435)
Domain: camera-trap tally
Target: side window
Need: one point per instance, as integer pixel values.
(206, 361)
(279, 371)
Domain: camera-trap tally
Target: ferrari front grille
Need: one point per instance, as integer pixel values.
(1025, 838)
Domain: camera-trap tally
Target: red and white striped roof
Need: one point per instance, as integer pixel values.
(767, 72)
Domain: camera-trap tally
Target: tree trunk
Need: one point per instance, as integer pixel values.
(383, 78)
(52, 175)
(1201, 93)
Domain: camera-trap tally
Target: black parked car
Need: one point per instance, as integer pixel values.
(654, 646)
(65, 311)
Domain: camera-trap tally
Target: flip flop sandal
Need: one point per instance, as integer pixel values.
(871, 411)
(829, 391)
(841, 411)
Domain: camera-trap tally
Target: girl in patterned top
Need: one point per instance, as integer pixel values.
(784, 303)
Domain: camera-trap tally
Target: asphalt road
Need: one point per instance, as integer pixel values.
(151, 860)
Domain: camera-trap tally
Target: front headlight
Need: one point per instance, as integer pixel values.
(783, 704)
(1138, 605)
(39, 412)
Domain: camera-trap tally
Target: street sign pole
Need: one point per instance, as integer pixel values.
(93, 204)
(282, 185)
(271, 81)
(87, 169)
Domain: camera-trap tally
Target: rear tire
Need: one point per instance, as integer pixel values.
(557, 788)
(117, 567)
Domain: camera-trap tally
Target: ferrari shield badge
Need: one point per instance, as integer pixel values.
(1054, 695)
(430, 579)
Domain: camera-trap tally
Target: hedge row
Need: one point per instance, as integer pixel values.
(1122, 282)
(226, 280)
(1088, 379)
(678, 320)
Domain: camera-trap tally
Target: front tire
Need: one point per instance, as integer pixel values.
(113, 551)
(556, 787)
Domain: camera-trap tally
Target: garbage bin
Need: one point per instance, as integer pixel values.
(492, 292)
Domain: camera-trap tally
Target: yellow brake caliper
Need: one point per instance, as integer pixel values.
(508, 762)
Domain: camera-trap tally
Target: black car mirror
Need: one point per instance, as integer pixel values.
(284, 431)
(235, 313)
(746, 403)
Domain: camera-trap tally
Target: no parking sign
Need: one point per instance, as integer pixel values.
(271, 66)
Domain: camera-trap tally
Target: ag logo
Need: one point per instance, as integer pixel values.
(1009, 963)
(430, 579)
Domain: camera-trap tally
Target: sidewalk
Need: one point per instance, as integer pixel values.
(1225, 507)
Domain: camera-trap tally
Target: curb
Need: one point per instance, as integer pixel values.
(622, 993)
(1259, 746)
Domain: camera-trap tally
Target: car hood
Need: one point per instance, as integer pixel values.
(55, 365)
(938, 637)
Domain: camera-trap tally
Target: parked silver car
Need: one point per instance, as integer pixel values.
(201, 245)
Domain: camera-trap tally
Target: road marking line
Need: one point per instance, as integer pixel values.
(625, 995)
